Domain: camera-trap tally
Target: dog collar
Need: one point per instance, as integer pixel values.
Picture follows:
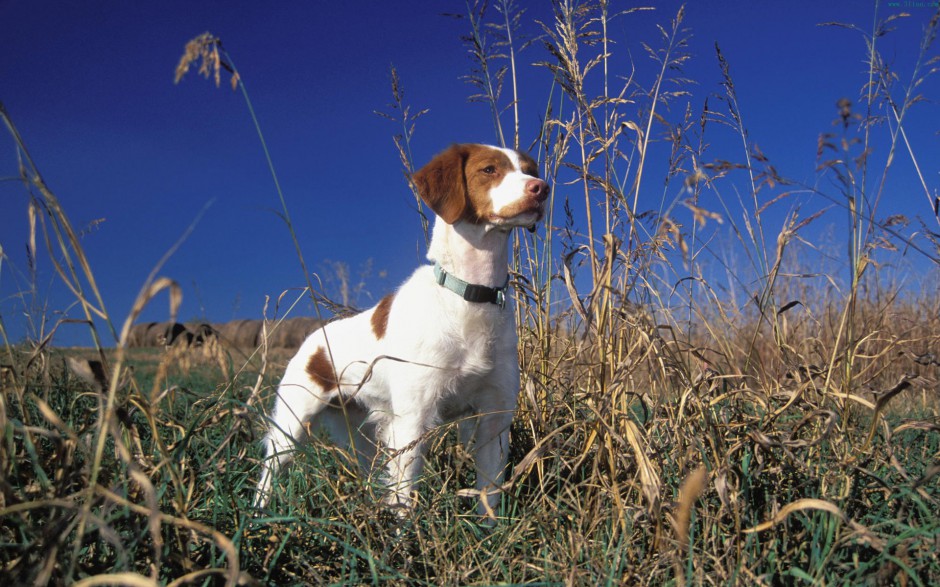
(470, 291)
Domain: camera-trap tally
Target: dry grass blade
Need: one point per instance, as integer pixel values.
(49, 414)
(649, 478)
(929, 473)
(859, 531)
(205, 50)
(146, 295)
(796, 506)
(67, 240)
(130, 579)
(689, 492)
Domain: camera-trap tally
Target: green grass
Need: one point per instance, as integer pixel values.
(578, 513)
(667, 434)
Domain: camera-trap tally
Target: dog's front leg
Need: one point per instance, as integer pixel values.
(405, 443)
(491, 451)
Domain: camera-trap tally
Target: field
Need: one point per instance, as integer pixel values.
(765, 423)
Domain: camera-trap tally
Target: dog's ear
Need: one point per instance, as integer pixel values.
(442, 183)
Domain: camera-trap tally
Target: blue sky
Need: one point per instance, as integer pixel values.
(135, 159)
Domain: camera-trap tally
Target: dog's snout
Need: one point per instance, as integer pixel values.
(537, 189)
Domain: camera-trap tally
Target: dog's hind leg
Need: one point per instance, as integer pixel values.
(295, 405)
(348, 428)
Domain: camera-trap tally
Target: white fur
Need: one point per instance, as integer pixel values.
(441, 359)
(507, 193)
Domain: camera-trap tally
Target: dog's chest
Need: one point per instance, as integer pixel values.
(456, 341)
(460, 347)
(477, 352)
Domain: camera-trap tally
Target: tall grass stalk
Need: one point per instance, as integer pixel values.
(401, 115)
(214, 58)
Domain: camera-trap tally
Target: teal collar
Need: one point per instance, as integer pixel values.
(469, 291)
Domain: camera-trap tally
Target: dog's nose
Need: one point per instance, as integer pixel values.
(538, 189)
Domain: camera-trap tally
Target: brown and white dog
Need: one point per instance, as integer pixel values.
(442, 348)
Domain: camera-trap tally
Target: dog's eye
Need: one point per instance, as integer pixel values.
(489, 169)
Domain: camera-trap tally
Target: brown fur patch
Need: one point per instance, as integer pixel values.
(380, 316)
(320, 370)
(527, 164)
(456, 183)
(441, 183)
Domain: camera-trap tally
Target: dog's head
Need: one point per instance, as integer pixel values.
(481, 184)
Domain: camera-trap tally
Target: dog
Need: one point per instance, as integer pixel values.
(442, 348)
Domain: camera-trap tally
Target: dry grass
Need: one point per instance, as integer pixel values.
(765, 426)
